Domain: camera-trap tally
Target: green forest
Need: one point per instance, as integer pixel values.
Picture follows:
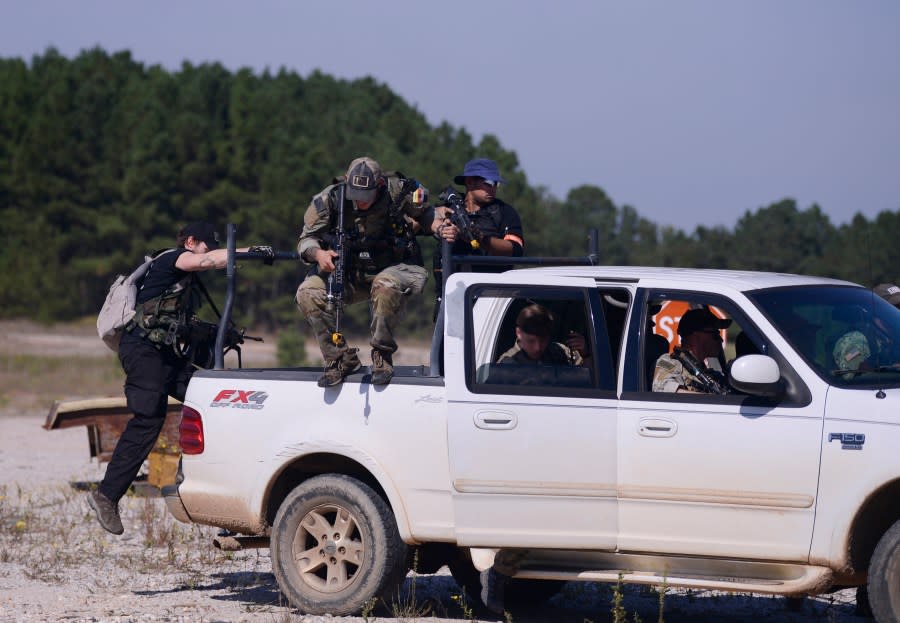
(103, 159)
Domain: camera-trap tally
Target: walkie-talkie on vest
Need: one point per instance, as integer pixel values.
(402, 229)
(334, 299)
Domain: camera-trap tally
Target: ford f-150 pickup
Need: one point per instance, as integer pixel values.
(788, 483)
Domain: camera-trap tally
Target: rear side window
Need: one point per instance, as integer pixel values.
(540, 341)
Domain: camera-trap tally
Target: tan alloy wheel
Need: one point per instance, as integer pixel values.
(328, 548)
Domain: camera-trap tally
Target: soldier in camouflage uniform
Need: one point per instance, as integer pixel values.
(699, 332)
(381, 267)
(533, 346)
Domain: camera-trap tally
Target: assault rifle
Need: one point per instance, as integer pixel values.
(334, 298)
(709, 380)
(467, 232)
(403, 231)
(199, 337)
(459, 217)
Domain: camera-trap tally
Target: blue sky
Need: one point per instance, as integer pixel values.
(692, 112)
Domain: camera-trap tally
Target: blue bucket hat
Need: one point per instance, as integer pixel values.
(480, 167)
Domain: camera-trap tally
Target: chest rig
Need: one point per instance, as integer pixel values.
(372, 242)
(162, 319)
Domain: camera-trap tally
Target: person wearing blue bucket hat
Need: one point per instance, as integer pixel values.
(497, 225)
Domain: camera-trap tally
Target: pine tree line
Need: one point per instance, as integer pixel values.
(102, 159)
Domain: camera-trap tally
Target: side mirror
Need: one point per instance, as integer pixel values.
(757, 375)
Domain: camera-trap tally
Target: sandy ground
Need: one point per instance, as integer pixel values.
(57, 564)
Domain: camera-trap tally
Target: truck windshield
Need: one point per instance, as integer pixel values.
(849, 335)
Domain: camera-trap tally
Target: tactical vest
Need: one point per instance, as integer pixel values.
(489, 221)
(372, 242)
(163, 318)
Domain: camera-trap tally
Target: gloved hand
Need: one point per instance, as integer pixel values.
(265, 249)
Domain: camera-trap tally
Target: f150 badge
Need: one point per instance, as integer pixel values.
(849, 441)
(239, 399)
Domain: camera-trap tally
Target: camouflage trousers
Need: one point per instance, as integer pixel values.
(388, 292)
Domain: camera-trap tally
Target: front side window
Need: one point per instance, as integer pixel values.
(850, 336)
(689, 345)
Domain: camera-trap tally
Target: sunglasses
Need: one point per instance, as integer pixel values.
(491, 183)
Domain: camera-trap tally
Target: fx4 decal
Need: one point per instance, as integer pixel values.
(239, 399)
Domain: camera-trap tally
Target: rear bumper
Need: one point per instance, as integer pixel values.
(174, 504)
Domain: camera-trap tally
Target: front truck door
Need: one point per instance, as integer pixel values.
(729, 476)
(532, 446)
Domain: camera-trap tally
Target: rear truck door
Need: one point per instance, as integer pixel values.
(532, 448)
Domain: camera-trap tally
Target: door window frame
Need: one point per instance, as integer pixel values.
(634, 385)
(603, 370)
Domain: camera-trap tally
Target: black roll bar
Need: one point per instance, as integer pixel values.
(230, 275)
(448, 261)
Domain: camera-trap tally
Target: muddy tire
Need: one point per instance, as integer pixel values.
(335, 546)
(884, 577)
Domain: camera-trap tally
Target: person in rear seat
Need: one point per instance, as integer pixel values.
(533, 346)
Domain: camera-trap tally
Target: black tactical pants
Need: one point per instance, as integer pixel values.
(151, 375)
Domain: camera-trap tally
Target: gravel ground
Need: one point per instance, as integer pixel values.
(57, 564)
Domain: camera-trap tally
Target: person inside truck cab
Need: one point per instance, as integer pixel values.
(700, 350)
(384, 266)
(867, 343)
(534, 326)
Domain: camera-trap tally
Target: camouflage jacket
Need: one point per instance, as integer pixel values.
(670, 374)
(556, 355)
(371, 238)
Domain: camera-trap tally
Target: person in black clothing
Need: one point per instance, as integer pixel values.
(499, 228)
(154, 367)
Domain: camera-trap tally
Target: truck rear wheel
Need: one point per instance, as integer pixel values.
(884, 577)
(335, 546)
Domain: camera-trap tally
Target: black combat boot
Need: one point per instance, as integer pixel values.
(107, 512)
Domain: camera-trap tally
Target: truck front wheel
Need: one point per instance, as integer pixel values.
(884, 577)
(335, 546)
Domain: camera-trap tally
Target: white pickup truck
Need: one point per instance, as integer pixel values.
(789, 484)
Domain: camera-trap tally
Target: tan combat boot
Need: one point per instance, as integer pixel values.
(382, 367)
(338, 369)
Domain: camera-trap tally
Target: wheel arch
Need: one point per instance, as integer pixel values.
(875, 517)
(305, 467)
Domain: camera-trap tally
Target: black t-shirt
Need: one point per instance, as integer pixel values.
(161, 276)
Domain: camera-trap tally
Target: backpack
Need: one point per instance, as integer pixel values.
(118, 308)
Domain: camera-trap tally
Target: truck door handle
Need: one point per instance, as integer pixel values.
(657, 427)
(495, 420)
